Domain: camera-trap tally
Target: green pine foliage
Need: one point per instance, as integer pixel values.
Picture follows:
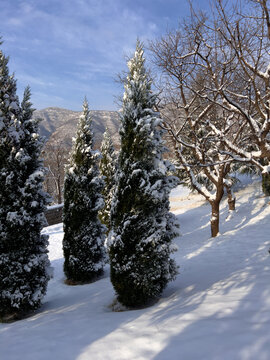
(140, 240)
(24, 264)
(107, 167)
(83, 242)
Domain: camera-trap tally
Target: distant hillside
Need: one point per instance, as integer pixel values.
(61, 124)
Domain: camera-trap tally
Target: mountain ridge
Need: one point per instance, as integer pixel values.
(59, 124)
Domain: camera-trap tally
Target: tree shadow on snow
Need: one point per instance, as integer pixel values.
(192, 312)
(246, 210)
(71, 319)
(212, 277)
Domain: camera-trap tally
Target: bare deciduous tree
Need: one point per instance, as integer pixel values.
(55, 155)
(215, 80)
(190, 105)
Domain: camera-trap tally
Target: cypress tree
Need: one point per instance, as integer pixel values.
(107, 169)
(83, 242)
(142, 228)
(24, 264)
(266, 184)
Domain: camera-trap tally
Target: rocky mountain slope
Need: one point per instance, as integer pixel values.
(60, 124)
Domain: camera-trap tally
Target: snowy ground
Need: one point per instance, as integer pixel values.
(218, 307)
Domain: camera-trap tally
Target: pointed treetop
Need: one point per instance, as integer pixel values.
(108, 153)
(138, 82)
(136, 64)
(26, 105)
(4, 71)
(26, 96)
(86, 110)
(106, 136)
(85, 118)
(83, 144)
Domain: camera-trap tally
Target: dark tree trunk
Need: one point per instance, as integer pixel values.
(231, 199)
(59, 193)
(215, 209)
(266, 184)
(215, 218)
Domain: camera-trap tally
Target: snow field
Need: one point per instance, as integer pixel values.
(217, 308)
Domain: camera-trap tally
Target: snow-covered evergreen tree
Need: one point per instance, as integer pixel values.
(107, 169)
(140, 241)
(24, 264)
(84, 236)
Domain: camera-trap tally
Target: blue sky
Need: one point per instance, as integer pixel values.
(68, 49)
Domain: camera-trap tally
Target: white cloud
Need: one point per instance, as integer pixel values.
(53, 43)
(29, 79)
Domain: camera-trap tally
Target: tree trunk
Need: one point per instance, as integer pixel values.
(266, 184)
(215, 208)
(215, 218)
(59, 193)
(231, 199)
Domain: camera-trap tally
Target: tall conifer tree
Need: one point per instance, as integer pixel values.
(84, 237)
(142, 227)
(107, 169)
(24, 264)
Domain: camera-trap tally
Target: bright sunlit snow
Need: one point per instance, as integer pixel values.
(218, 307)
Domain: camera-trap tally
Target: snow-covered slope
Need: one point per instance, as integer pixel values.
(218, 307)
